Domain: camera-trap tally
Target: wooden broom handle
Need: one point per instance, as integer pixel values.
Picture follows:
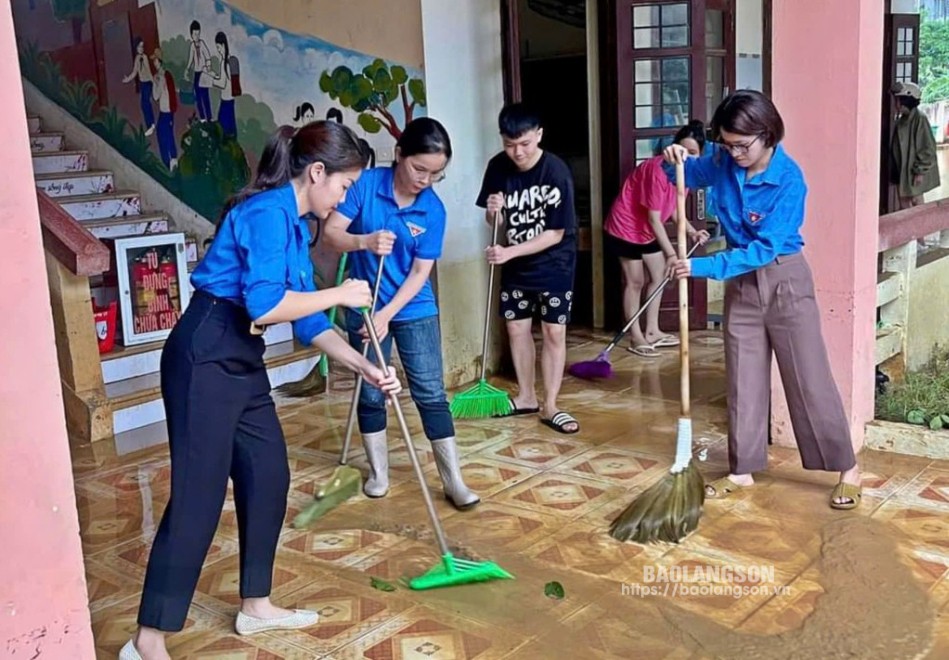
(681, 240)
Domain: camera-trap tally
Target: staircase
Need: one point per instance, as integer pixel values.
(131, 409)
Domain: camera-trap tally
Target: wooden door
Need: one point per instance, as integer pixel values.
(671, 62)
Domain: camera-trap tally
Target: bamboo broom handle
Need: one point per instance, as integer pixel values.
(681, 239)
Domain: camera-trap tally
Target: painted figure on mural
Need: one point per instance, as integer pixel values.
(166, 96)
(335, 114)
(199, 67)
(142, 72)
(224, 80)
(304, 113)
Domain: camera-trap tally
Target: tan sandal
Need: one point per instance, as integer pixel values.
(846, 492)
(722, 488)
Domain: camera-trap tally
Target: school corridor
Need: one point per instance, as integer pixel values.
(772, 572)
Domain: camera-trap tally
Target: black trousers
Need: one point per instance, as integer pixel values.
(221, 424)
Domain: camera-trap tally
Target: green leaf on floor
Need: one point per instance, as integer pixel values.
(381, 585)
(945, 420)
(935, 423)
(916, 417)
(554, 590)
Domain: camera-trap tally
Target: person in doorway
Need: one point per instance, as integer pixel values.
(530, 190)
(226, 115)
(394, 213)
(142, 72)
(167, 98)
(221, 419)
(770, 305)
(635, 233)
(199, 67)
(913, 169)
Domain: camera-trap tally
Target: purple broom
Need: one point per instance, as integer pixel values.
(600, 367)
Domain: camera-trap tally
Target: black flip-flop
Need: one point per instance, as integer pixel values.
(518, 411)
(560, 420)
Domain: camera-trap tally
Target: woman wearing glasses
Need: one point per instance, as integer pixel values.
(769, 299)
(393, 212)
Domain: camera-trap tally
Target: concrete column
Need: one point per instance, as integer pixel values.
(43, 608)
(827, 61)
(463, 80)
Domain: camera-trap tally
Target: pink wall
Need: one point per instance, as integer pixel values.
(832, 116)
(43, 604)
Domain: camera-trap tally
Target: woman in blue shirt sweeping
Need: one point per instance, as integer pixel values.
(393, 212)
(221, 419)
(769, 299)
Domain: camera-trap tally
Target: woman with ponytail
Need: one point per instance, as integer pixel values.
(221, 419)
(635, 233)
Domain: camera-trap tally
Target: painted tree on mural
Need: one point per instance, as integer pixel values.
(74, 11)
(371, 92)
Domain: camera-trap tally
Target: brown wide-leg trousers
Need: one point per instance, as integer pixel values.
(774, 309)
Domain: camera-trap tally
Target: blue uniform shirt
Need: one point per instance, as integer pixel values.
(262, 250)
(419, 230)
(761, 217)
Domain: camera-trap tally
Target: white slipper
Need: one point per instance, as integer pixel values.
(129, 652)
(646, 351)
(666, 341)
(248, 625)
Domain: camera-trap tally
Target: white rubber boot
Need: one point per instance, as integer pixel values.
(377, 451)
(446, 460)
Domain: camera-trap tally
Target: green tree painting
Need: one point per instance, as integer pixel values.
(372, 91)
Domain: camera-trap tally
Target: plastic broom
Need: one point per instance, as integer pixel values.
(451, 571)
(670, 509)
(483, 400)
(346, 481)
(600, 366)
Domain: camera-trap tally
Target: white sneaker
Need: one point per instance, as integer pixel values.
(129, 652)
(248, 625)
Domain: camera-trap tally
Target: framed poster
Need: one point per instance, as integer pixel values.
(153, 285)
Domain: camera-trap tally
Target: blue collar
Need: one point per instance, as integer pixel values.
(385, 188)
(776, 168)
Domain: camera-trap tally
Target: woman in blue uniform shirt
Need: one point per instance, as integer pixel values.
(393, 212)
(221, 419)
(770, 305)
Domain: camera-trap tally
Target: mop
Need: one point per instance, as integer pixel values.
(483, 400)
(452, 570)
(670, 509)
(600, 366)
(346, 481)
(318, 379)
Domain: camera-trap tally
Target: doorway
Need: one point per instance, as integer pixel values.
(545, 53)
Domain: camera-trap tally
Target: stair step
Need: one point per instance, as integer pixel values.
(136, 402)
(34, 124)
(130, 225)
(60, 161)
(46, 142)
(116, 204)
(90, 182)
(126, 362)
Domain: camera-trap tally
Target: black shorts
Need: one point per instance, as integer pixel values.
(626, 250)
(554, 306)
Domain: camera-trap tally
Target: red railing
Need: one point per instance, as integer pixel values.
(67, 240)
(901, 227)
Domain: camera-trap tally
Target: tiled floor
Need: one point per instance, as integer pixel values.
(548, 500)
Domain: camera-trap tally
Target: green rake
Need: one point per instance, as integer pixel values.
(452, 571)
(484, 399)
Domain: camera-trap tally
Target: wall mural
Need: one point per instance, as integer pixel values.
(190, 89)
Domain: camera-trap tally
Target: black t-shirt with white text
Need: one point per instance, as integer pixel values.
(535, 201)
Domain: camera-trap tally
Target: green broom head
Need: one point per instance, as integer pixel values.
(344, 483)
(670, 509)
(482, 400)
(453, 571)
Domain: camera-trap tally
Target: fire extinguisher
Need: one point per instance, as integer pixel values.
(169, 272)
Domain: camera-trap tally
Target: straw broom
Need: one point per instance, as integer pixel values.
(483, 400)
(670, 509)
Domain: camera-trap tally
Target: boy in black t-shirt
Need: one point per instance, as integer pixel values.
(531, 191)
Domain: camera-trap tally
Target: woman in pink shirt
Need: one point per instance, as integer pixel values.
(635, 233)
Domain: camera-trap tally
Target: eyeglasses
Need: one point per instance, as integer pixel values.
(425, 176)
(738, 149)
